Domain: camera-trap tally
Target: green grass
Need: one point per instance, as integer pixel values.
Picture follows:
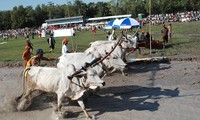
(185, 40)
(13, 49)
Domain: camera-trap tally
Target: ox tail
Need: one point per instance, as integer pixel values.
(24, 73)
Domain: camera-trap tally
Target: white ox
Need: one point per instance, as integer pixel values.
(115, 60)
(104, 47)
(110, 63)
(56, 80)
(79, 60)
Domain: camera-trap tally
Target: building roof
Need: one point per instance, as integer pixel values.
(109, 17)
(80, 19)
(68, 20)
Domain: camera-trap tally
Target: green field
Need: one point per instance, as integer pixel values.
(185, 41)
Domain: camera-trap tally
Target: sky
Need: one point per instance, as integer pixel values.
(9, 4)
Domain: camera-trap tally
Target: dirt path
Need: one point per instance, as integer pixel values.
(156, 91)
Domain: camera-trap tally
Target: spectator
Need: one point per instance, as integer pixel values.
(108, 34)
(169, 27)
(74, 32)
(28, 42)
(94, 29)
(5, 36)
(26, 55)
(51, 32)
(64, 46)
(148, 37)
(164, 32)
(15, 35)
(112, 36)
(142, 37)
(51, 41)
(39, 34)
(33, 34)
(137, 35)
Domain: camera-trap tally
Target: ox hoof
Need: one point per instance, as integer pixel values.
(125, 74)
(91, 118)
(23, 105)
(60, 114)
(55, 108)
(17, 99)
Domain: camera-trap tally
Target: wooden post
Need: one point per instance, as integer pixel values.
(150, 27)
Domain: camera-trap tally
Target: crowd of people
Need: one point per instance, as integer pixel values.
(177, 17)
(24, 32)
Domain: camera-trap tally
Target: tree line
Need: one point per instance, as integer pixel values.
(20, 16)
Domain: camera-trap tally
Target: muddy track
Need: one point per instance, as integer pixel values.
(152, 91)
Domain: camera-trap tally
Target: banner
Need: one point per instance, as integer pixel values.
(63, 32)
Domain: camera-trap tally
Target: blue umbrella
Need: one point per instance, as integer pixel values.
(112, 24)
(127, 23)
(109, 25)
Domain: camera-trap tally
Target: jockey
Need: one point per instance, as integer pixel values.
(35, 60)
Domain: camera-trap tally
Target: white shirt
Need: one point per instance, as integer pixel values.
(64, 49)
(110, 38)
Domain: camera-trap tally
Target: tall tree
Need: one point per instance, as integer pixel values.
(41, 14)
(30, 17)
(102, 9)
(91, 10)
(115, 7)
(5, 20)
(18, 17)
(80, 7)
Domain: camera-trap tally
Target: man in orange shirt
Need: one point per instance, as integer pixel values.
(26, 55)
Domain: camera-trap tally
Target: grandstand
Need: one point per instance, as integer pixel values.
(63, 21)
(108, 18)
(82, 19)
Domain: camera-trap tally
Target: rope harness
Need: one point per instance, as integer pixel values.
(79, 85)
(92, 64)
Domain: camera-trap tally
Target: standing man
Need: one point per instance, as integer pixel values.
(51, 41)
(94, 29)
(28, 42)
(164, 32)
(142, 37)
(112, 36)
(169, 27)
(64, 46)
(33, 33)
(26, 55)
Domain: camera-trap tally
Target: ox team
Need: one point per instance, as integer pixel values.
(68, 82)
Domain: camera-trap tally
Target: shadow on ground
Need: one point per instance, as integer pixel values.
(122, 98)
(114, 99)
(148, 66)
